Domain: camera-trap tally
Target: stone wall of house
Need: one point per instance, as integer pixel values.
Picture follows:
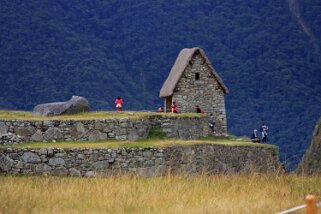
(205, 92)
(18, 131)
(199, 158)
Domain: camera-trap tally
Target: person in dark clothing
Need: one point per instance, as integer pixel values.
(264, 128)
(211, 125)
(211, 122)
(198, 109)
(255, 138)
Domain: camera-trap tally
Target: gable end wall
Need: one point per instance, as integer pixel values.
(205, 92)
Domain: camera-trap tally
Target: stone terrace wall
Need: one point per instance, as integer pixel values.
(91, 130)
(201, 158)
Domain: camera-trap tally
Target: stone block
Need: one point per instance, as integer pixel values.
(100, 126)
(159, 161)
(101, 165)
(81, 156)
(14, 156)
(53, 133)
(50, 152)
(78, 130)
(147, 154)
(37, 136)
(41, 168)
(97, 135)
(18, 165)
(25, 131)
(56, 162)
(62, 154)
(88, 151)
(30, 157)
(42, 151)
(59, 171)
(74, 172)
(5, 163)
(3, 129)
(121, 137)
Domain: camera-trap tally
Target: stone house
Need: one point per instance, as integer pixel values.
(193, 81)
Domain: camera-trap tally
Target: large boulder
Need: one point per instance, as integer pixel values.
(73, 106)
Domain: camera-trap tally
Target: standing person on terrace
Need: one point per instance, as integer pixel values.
(119, 104)
(199, 110)
(174, 107)
(264, 128)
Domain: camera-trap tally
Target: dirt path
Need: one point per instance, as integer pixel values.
(294, 6)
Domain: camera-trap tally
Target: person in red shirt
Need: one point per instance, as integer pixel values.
(119, 104)
(174, 107)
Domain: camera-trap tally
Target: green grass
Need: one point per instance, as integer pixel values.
(27, 115)
(156, 133)
(149, 142)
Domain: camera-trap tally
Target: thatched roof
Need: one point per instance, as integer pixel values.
(178, 68)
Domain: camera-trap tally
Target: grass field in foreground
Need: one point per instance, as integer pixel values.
(27, 115)
(254, 193)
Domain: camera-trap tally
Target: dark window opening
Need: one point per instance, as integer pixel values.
(197, 76)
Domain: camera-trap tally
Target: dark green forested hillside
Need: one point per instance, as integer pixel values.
(53, 49)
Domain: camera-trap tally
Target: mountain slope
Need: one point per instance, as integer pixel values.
(311, 161)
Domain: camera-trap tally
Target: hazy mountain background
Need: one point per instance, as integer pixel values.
(100, 49)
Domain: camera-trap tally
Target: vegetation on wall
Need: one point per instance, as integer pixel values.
(51, 50)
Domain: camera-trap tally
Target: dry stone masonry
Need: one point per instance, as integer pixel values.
(19, 131)
(204, 92)
(199, 158)
(193, 81)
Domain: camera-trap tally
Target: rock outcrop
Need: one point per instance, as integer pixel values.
(73, 106)
(311, 161)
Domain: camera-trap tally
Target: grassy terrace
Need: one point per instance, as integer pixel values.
(156, 139)
(27, 115)
(151, 142)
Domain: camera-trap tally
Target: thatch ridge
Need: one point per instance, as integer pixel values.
(180, 65)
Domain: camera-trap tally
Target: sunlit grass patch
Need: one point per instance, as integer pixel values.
(27, 115)
(149, 142)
